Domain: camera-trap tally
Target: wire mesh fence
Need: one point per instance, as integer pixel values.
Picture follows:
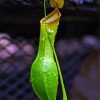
(16, 57)
(39, 3)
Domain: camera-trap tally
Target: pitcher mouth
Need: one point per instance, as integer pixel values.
(51, 17)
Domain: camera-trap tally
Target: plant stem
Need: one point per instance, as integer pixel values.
(59, 70)
(45, 12)
(60, 75)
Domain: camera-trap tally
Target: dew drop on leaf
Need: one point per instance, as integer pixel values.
(43, 39)
(50, 31)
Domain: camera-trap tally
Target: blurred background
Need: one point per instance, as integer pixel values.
(77, 45)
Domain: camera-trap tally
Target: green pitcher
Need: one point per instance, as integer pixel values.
(44, 72)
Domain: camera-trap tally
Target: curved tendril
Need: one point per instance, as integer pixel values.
(59, 70)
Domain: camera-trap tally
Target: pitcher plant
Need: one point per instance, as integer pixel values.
(46, 69)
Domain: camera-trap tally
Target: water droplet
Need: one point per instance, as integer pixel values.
(54, 74)
(49, 82)
(44, 71)
(50, 31)
(31, 80)
(40, 72)
(51, 76)
(41, 58)
(43, 39)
